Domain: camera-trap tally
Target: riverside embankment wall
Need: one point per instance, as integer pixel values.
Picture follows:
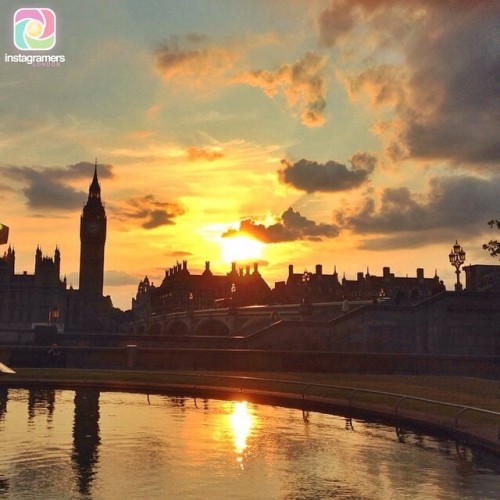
(143, 358)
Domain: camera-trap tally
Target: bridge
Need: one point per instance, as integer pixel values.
(240, 321)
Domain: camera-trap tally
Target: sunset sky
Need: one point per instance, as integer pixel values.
(349, 133)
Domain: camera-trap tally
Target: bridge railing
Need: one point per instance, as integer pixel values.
(345, 394)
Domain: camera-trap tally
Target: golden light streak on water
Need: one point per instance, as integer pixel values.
(241, 421)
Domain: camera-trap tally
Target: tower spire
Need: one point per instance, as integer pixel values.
(95, 188)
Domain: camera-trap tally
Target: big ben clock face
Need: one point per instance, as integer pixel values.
(93, 228)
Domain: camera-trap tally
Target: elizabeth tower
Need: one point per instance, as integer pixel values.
(92, 241)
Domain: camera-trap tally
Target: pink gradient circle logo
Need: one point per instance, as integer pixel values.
(34, 29)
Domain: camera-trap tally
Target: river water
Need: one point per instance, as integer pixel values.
(59, 444)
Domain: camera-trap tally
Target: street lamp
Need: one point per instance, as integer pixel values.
(232, 301)
(53, 314)
(306, 302)
(190, 303)
(306, 278)
(457, 258)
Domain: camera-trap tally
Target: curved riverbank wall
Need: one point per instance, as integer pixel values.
(143, 358)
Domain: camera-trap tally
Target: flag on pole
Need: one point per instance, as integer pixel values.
(4, 234)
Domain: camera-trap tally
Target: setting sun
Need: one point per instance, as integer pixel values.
(240, 249)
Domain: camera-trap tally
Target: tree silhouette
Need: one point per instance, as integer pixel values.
(493, 246)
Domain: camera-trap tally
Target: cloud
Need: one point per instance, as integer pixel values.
(291, 226)
(331, 176)
(198, 62)
(48, 187)
(179, 253)
(336, 22)
(443, 81)
(197, 154)
(119, 278)
(302, 83)
(151, 212)
(452, 203)
(193, 58)
(111, 278)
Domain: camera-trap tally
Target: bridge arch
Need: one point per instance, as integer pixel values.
(155, 329)
(212, 327)
(178, 328)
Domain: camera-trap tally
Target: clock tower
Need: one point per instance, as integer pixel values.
(92, 240)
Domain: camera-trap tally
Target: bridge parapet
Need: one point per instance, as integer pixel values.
(231, 321)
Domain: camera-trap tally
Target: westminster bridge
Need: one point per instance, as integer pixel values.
(240, 321)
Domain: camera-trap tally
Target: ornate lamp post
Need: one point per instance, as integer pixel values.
(306, 302)
(53, 315)
(232, 303)
(457, 258)
(190, 304)
(306, 278)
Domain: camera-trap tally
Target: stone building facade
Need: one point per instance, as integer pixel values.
(180, 290)
(27, 299)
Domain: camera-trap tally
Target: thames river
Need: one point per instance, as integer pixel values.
(59, 444)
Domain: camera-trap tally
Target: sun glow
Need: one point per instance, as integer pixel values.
(240, 249)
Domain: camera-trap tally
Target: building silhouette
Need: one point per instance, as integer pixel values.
(322, 287)
(28, 300)
(92, 241)
(180, 290)
(93, 307)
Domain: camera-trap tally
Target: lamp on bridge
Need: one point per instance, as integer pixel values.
(190, 304)
(457, 258)
(53, 315)
(232, 302)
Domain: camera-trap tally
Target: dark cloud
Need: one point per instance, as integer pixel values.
(445, 92)
(291, 226)
(331, 176)
(335, 23)
(454, 203)
(83, 170)
(151, 212)
(49, 188)
(6, 188)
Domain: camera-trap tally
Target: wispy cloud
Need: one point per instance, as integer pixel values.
(193, 59)
(302, 83)
(197, 154)
(200, 63)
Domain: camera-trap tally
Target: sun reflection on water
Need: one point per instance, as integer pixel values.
(242, 422)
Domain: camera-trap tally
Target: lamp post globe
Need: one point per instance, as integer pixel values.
(457, 258)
